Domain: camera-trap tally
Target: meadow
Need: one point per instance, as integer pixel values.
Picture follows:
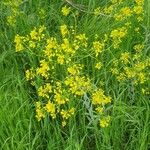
(74, 75)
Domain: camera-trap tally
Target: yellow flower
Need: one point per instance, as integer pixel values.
(126, 11)
(45, 90)
(98, 65)
(108, 10)
(99, 109)
(32, 44)
(138, 47)
(60, 59)
(65, 10)
(50, 47)
(117, 35)
(51, 43)
(29, 74)
(66, 47)
(59, 99)
(50, 108)
(138, 10)
(64, 123)
(105, 122)
(125, 57)
(139, 2)
(39, 111)
(98, 98)
(64, 30)
(42, 13)
(78, 85)
(98, 47)
(75, 69)
(114, 71)
(81, 40)
(130, 73)
(140, 66)
(141, 77)
(11, 20)
(43, 69)
(34, 34)
(121, 76)
(41, 29)
(19, 43)
(39, 114)
(97, 11)
(139, 18)
(123, 14)
(67, 113)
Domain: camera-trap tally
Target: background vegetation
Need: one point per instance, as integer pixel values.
(129, 128)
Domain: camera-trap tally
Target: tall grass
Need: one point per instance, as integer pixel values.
(130, 110)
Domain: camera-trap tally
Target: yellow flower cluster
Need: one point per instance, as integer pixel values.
(117, 36)
(50, 108)
(104, 122)
(57, 91)
(65, 10)
(78, 85)
(61, 67)
(123, 14)
(129, 65)
(45, 90)
(100, 100)
(59, 73)
(98, 47)
(30, 40)
(132, 66)
(39, 111)
(19, 43)
(66, 66)
(66, 114)
(97, 11)
(13, 6)
(80, 41)
(98, 65)
(43, 69)
(29, 74)
(64, 30)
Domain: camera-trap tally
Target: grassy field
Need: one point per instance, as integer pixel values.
(90, 94)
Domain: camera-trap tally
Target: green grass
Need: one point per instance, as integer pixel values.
(19, 129)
